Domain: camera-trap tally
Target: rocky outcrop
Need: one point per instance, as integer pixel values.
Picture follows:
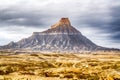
(63, 22)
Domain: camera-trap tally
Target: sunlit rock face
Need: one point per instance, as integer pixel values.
(63, 22)
(62, 36)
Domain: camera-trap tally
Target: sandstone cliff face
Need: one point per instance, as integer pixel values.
(62, 36)
(63, 22)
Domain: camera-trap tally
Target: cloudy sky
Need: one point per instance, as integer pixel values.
(99, 20)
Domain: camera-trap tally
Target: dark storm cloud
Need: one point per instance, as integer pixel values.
(22, 18)
(115, 23)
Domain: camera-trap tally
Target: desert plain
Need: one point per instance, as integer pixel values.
(98, 65)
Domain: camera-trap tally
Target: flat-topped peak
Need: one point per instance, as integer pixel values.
(65, 21)
(62, 22)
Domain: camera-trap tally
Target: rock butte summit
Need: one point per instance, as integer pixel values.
(63, 21)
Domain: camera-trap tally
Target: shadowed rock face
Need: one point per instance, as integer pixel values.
(60, 37)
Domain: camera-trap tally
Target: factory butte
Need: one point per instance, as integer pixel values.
(61, 36)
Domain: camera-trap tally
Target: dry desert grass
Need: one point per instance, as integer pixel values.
(54, 66)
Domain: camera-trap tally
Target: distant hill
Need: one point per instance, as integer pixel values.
(62, 36)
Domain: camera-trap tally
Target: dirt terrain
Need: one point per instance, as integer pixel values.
(60, 66)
